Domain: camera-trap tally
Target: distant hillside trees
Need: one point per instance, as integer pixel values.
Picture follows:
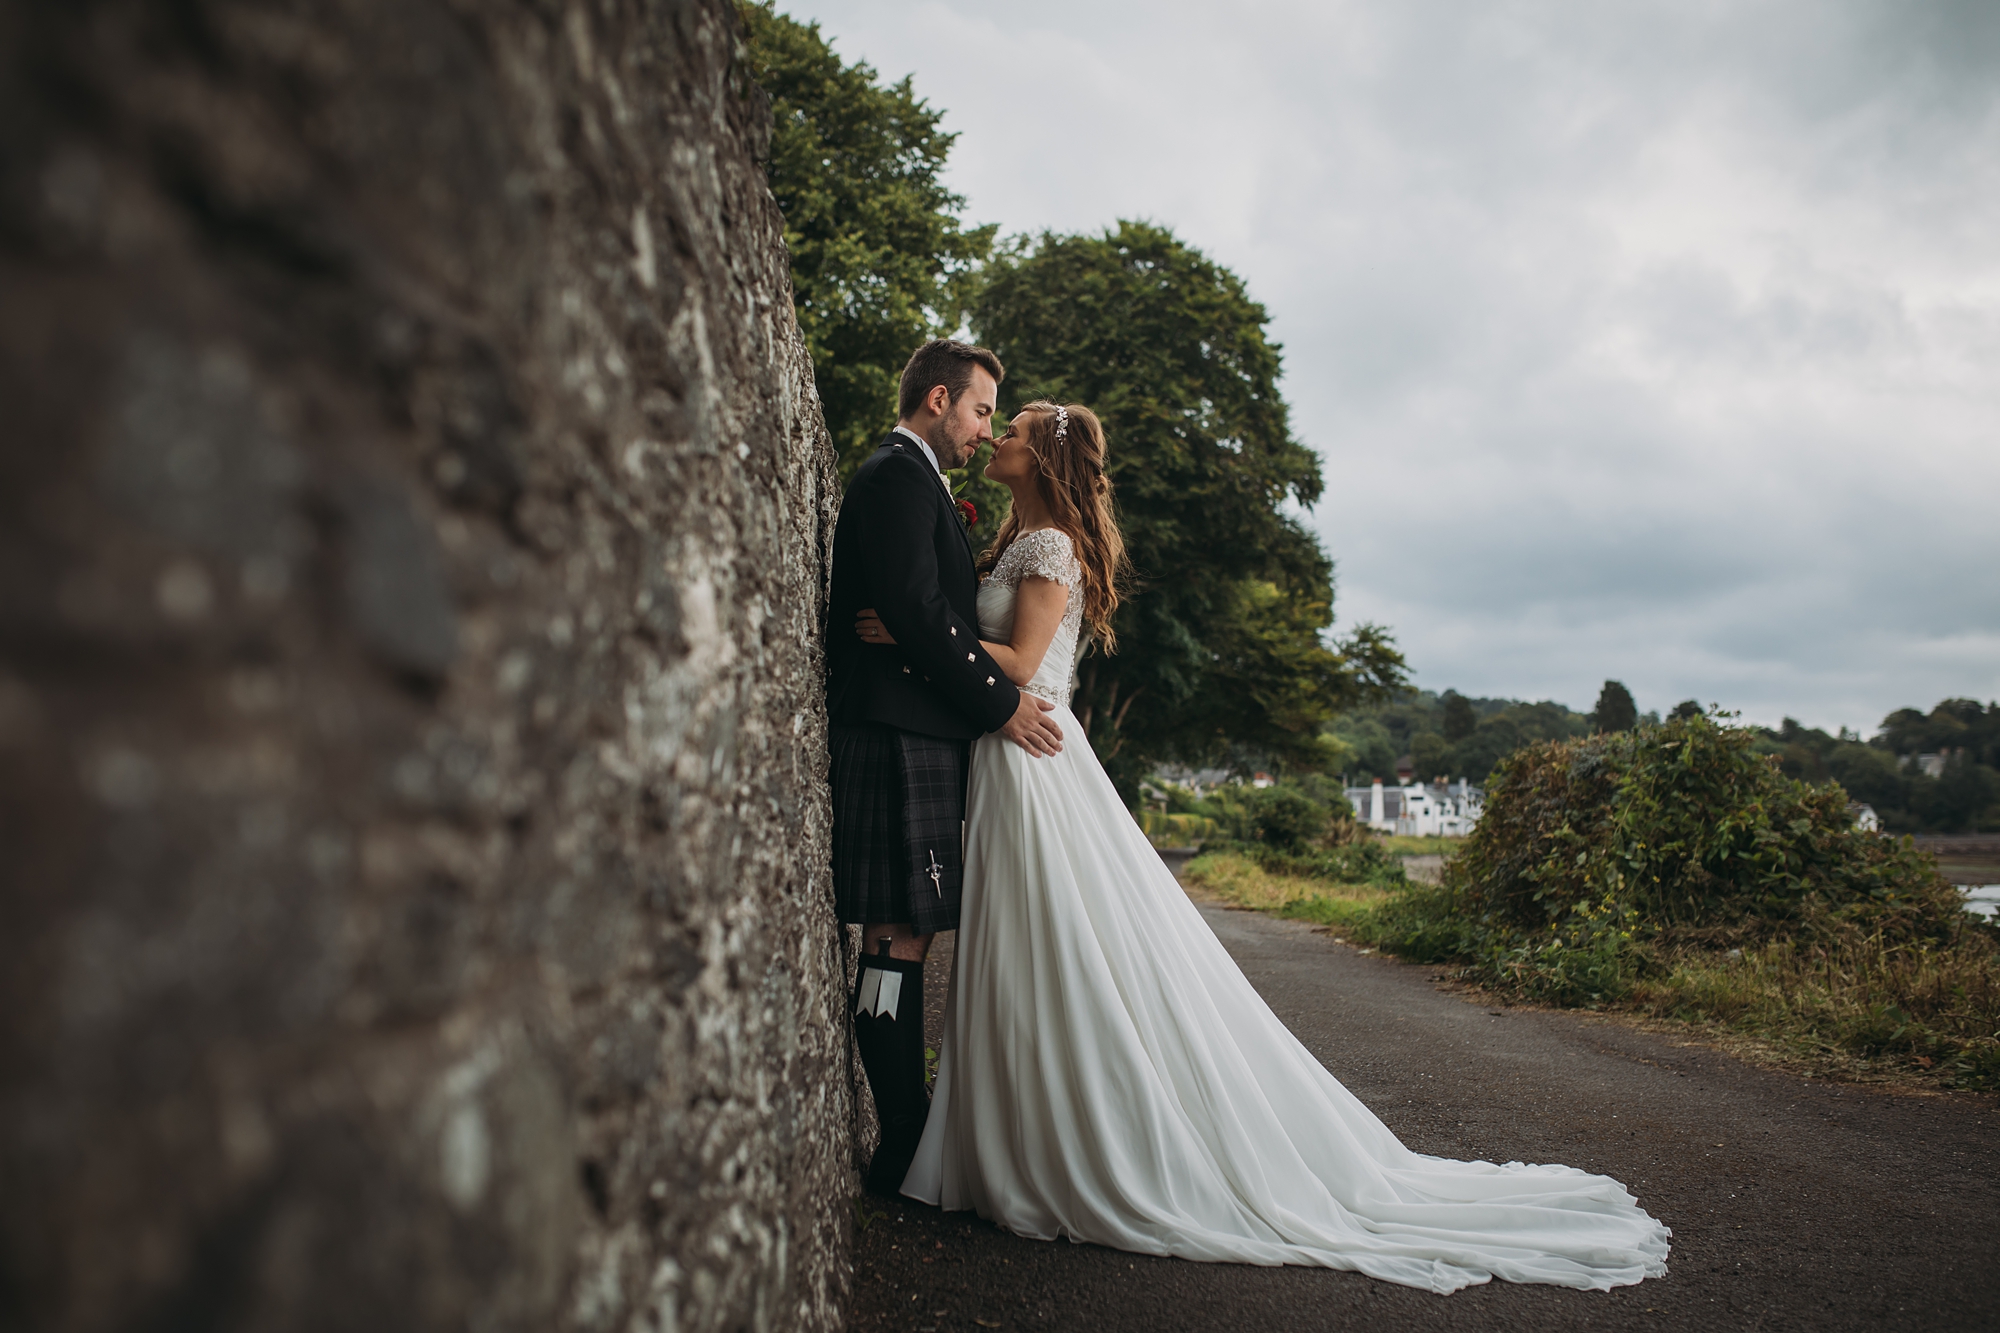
(1447, 735)
(1887, 772)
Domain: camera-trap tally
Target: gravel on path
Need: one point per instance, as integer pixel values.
(1795, 1204)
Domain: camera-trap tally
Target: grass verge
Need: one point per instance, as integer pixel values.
(1844, 1003)
(1402, 844)
(1240, 881)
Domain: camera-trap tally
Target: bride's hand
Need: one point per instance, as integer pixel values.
(869, 627)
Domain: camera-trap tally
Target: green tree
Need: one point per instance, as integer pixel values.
(1954, 802)
(1459, 717)
(1434, 756)
(1414, 723)
(1224, 642)
(1493, 740)
(1955, 725)
(1870, 776)
(1615, 709)
(879, 255)
(1371, 748)
(1286, 818)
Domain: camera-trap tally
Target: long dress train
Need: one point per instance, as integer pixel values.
(1109, 1075)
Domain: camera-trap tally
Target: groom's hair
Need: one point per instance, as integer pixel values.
(945, 361)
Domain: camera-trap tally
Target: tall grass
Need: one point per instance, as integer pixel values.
(1845, 1000)
(1405, 844)
(1237, 879)
(1175, 830)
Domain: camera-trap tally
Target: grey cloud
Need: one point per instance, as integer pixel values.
(1643, 340)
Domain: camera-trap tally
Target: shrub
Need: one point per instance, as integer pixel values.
(1677, 872)
(1297, 813)
(1362, 861)
(1176, 830)
(1286, 818)
(1592, 853)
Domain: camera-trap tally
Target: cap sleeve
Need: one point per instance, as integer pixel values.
(1046, 554)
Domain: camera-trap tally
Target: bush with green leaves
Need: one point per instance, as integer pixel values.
(1363, 860)
(1293, 813)
(1176, 828)
(1302, 826)
(1285, 818)
(1593, 854)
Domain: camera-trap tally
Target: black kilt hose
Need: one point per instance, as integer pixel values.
(898, 827)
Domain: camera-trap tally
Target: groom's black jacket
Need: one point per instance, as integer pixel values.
(899, 547)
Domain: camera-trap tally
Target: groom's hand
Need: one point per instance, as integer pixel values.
(869, 627)
(1031, 728)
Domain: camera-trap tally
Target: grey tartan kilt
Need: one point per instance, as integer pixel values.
(898, 827)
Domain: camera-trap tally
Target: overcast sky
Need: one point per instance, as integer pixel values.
(1652, 340)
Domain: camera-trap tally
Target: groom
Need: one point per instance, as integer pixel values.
(903, 716)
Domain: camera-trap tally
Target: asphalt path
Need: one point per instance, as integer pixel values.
(1795, 1204)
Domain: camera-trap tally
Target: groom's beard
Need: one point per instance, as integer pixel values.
(951, 450)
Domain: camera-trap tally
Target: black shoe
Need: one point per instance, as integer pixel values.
(889, 1165)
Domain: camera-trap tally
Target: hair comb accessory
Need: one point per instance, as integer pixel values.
(1062, 423)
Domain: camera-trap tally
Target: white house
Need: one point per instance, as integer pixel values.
(1199, 782)
(1441, 809)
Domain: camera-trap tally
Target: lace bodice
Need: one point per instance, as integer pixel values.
(1043, 553)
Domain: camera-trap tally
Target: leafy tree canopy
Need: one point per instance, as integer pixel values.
(879, 254)
(1460, 719)
(1954, 725)
(1417, 722)
(1962, 797)
(1615, 709)
(1223, 644)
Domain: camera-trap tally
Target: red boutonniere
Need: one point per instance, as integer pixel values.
(966, 513)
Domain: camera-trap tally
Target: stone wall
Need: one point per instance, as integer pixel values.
(414, 515)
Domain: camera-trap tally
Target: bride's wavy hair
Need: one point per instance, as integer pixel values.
(1071, 477)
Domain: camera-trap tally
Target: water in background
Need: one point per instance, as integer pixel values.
(1981, 899)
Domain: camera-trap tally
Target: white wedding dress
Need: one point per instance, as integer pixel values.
(1109, 1075)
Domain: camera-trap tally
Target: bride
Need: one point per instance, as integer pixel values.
(1107, 1073)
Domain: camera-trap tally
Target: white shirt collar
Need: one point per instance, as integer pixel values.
(924, 445)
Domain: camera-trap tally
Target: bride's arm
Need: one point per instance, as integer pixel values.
(1038, 613)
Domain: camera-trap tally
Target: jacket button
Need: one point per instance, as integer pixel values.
(969, 657)
(954, 631)
(989, 680)
(906, 671)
